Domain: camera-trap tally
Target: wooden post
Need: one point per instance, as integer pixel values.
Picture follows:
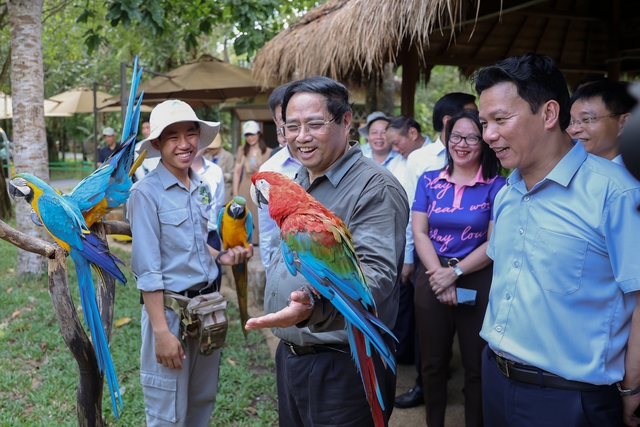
(410, 72)
(389, 89)
(371, 97)
(613, 67)
(90, 380)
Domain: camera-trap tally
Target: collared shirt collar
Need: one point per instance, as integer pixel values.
(338, 170)
(479, 179)
(563, 172)
(168, 179)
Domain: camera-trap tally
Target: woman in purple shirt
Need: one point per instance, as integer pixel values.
(452, 221)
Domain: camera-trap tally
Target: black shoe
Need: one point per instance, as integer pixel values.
(410, 399)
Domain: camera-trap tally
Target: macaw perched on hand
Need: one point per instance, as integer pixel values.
(318, 244)
(67, 218)
(235, 227)
(63, 220)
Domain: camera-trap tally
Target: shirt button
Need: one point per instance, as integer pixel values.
(521, 231)
(507, 297)
(499, 328)
(516, 264)
(526, 198)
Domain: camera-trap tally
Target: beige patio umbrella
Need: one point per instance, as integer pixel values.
(80, 100)
(205, 81)
(6, 108)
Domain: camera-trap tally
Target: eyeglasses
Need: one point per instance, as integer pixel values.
(471, 140)
(589, 120)
(314, 127)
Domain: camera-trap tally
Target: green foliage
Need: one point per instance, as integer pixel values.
(444, 80)
(38, 375)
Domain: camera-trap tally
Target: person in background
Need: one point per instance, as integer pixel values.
(216, 153)
(282, 162)
(599, 113)
(168, 215)
(405, 136)
(452, 223)
(248, 161)
(148, 164)
(379, 148)
(110, 140)
(565, 274)
(214, 181)
(429, 157)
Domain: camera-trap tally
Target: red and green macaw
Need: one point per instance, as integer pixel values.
(67, 218)
(318, 244)
(235, 228)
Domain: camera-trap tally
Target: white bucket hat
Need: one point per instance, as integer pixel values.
(250, 127)
(376, 115)
(175, 111)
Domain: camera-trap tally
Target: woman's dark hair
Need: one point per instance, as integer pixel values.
(261, 144)
(490, 164)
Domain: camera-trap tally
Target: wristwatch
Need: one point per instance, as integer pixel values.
(629, 392)
(457, 270)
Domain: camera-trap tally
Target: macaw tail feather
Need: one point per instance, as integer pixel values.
(240, 276)
(365, 321)
(94, 322)
(97, 252)
(361, 354)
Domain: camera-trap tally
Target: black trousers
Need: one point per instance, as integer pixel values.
(325, 389)
(437, 324)
(510, 403)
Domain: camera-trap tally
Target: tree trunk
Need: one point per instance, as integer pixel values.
(5, 200)
(29, 138)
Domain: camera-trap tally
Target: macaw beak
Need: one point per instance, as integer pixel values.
(18, 188)
(258, 198)
(235, 210)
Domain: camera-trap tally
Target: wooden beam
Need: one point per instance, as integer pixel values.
(410, 74)
(476, 63)
(523, 26)
(560, 14)
(613, 67)
(499, 14)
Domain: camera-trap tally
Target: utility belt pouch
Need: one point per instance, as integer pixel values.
(203, 318)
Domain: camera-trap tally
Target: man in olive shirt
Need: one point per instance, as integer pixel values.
(317, 378)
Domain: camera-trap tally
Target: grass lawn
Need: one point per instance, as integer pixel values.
(38, 374)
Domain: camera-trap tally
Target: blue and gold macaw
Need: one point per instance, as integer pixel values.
(63, 220)
(67, 218)
(235, 227)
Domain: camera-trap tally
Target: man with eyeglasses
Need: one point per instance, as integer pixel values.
(599, 113)
(563, 319)
(318, 383)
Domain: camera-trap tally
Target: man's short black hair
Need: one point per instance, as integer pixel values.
(614, 95)
(451, 104)
(275, 99)
(536, 78)
(336, 95)
(587, 81)
(403, 123)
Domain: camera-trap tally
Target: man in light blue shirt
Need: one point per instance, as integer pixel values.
(565, 275)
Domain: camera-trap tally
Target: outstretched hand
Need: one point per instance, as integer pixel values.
(298, 310)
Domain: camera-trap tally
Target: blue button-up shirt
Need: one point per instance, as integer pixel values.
(565, 269)
(169, 228)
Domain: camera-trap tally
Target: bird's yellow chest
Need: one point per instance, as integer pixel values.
(234, 233)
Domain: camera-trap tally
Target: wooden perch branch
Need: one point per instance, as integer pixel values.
(26, 242)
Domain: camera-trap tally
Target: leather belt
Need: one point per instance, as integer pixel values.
(190, 293)
(299, 350)
(533, 375)
(448, 262)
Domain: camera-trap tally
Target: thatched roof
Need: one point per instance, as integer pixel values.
(347, 39)
(327, 39)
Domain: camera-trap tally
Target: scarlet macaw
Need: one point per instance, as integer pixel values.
(317, 244)
(67, 218)
(235, 227)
